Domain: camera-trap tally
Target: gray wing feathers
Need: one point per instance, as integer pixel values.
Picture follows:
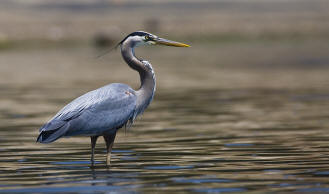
(93, 113)
(50, 133)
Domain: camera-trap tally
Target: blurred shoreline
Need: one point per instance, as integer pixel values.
(66, 23)
(241, 44)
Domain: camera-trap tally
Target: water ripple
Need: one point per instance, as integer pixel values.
(194, 146)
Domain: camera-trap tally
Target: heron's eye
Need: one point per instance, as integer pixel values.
(147, 38)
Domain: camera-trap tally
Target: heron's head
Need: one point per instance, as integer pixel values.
(144, 38)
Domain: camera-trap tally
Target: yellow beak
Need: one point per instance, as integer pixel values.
(169, 42)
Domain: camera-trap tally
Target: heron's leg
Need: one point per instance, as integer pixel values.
(93, 144)
(109, 140)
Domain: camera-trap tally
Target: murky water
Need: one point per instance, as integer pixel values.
(208, 139)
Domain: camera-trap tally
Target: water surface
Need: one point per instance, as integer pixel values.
(253, 135)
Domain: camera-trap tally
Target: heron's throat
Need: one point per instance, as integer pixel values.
(148, 83)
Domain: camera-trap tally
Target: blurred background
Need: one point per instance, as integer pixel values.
(253, 90)
(55, 42)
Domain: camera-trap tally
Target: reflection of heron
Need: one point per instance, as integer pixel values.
(105, 110)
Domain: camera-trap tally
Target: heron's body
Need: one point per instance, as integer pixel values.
(103, 111)
(95, 113)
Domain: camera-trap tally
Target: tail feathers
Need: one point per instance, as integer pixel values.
(49, 134)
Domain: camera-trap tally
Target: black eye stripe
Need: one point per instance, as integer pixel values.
(139, 33)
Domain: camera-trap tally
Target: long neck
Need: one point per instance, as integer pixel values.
(147, 88)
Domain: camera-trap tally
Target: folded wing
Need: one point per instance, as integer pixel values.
(97, 112)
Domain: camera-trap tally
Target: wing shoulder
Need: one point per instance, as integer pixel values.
(97, 99)
(112, 97)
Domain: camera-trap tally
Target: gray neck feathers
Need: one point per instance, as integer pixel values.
(146, 91)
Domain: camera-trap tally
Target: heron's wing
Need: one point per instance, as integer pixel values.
(105, 108)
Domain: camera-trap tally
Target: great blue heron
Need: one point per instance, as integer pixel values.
(103, 111)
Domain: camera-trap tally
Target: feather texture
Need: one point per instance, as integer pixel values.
(98, 112)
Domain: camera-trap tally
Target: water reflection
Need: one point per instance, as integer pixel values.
(232, 140)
